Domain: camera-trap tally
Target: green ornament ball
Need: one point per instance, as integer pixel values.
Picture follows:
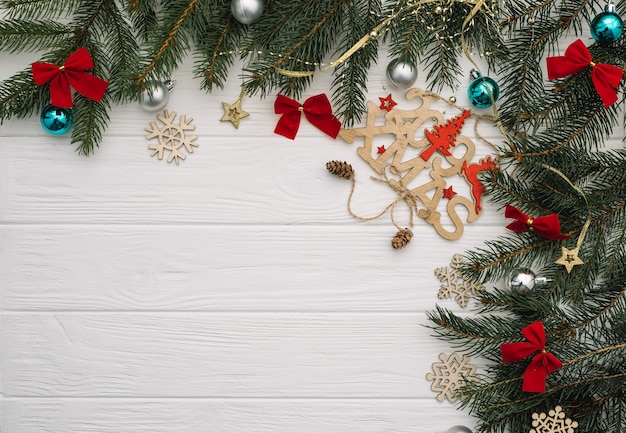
(56, 120)
(607, 27)
(482, 91)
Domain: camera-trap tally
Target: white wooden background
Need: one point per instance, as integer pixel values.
(231, 293)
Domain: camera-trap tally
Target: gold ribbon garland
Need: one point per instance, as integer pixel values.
(384, 25)
(570, 257)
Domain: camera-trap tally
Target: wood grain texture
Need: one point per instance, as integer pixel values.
(220, 268)
(232, 293)
(270, 354)
(122, 415)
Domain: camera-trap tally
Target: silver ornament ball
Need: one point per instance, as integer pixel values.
(155, 96)
(459, 429)
(522, 281)
(247, 11)
(401, 74)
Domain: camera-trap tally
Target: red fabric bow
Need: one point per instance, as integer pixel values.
(546, 226)
(71, 73)
(317, 109)
(541, 365)
(605, 78)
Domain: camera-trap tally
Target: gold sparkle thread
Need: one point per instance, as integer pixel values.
(583, 232)
(374, 34)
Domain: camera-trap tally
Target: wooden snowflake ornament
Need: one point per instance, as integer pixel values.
(422, 160)
(553, 422)
(453, 283)
(171, 137)
(449, 376)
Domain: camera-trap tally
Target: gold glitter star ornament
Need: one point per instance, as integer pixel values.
(233, 113)
(569, 259)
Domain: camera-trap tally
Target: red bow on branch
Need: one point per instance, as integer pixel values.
(541, 365)
(71, 73)
(317, 109)
(605, 77)
(546, 226)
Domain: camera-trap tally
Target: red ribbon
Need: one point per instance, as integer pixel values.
(605, 78)
(71, 73)
(541, 365)
(546, 226)
(317, 109)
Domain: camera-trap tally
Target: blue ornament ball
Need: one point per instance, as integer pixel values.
(607, 27)
(56, 120)
(483, 91)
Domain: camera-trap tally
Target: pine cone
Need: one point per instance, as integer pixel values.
(342, 169)
(402, 238)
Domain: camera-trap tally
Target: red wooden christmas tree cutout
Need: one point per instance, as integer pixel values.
(443, 136)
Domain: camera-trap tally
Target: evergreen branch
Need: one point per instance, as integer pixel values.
(90, 120)
(21, 35)
(312, 44)
(38, 9)
(166, 43)
(143, 17)
(218, 47)
(210, 73)
(122, 53)
(20, 97)
(350, 83)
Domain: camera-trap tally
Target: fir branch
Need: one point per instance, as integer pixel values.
(38, 9)
(350, 83)
(120, 53)
(143, 17)
(20, 97)
(90, 121)
(295, 48)
(218, 47)
(22, 36)
(168, 53)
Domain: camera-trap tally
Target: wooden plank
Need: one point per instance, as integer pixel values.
(288, 355)
(228, 415)
(224, 182)
(222, 268)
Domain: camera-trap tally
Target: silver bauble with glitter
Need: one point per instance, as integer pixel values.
(247, 11)
(401, 74)
(155, 96)
(522, 281)
(459, 429)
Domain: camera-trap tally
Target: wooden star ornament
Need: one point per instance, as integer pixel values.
(233, 113)
(569, 259)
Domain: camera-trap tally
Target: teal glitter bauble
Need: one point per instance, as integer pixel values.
(56, 120)
(607, 27)
(482, 91)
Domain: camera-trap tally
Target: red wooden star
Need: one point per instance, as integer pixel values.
(387, 103)
(381, 149)
(449, 192)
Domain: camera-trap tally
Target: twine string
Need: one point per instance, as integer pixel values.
(404, 195)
